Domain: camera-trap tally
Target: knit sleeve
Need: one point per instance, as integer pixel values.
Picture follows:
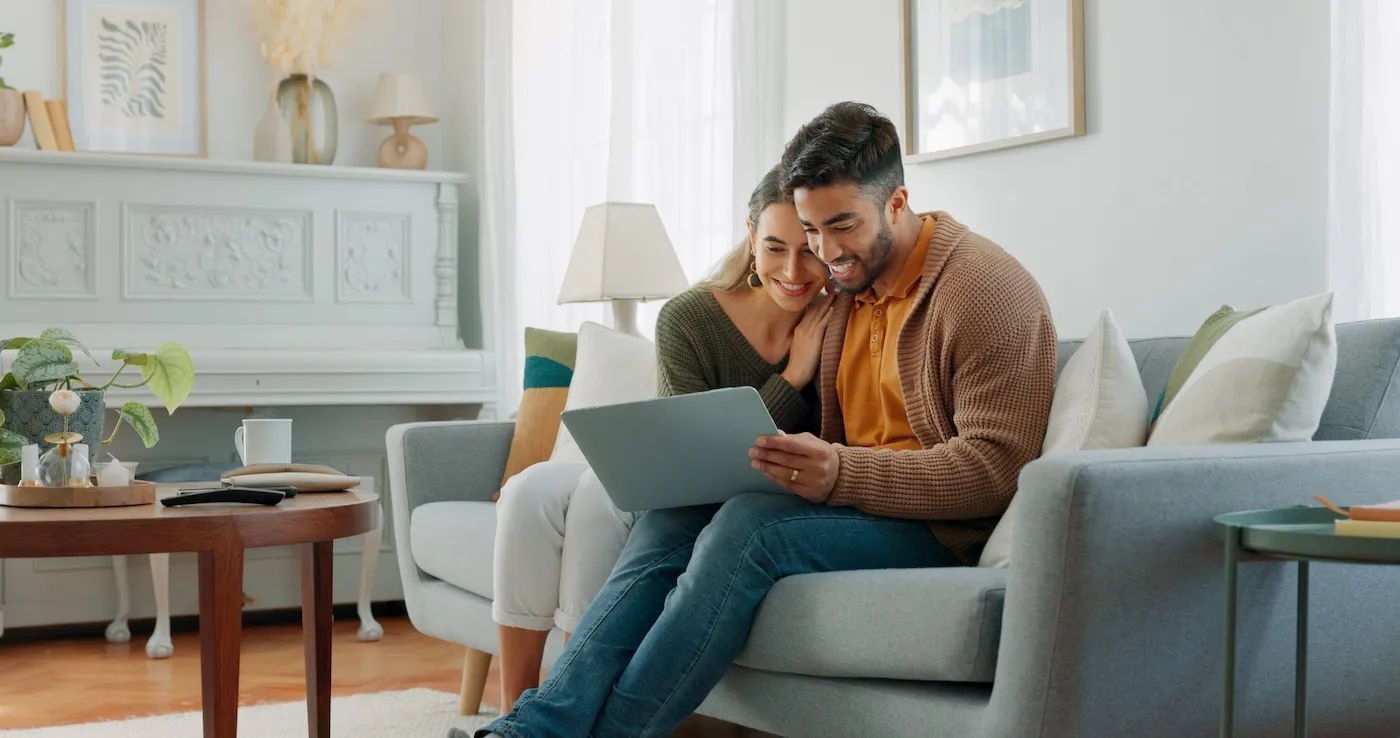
(785, 403)
(1002, 389)
(678, 367)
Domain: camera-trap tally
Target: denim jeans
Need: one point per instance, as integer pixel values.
(678, 606)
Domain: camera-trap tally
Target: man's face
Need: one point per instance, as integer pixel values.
(848, 231)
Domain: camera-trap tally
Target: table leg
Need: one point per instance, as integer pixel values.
(1227, 697)
(220, 634)
(316, 569)
(1300, 669)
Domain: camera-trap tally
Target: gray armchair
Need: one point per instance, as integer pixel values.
(442, 476)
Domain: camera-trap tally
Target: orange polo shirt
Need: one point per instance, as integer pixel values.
(867, 379)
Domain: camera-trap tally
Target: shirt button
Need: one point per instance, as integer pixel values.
(874, 337)
(879, 312)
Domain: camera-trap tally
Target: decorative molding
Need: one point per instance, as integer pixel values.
(445, 265)
(204, 253)
(53, 253)
(373, 262)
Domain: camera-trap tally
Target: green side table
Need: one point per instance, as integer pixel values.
(1301, 534)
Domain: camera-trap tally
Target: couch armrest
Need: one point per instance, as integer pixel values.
(1115, 597)
(442, 461)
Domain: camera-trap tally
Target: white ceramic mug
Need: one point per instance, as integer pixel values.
(264, 441)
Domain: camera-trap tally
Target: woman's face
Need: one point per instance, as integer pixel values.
(791, 274)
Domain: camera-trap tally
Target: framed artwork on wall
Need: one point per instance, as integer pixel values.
(981, 75)
(134, 75)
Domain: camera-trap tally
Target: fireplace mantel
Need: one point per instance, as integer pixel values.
(290, 284)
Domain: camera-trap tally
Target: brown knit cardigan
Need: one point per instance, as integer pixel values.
(977, 367)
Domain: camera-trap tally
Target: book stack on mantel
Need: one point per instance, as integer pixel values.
(1370, 521)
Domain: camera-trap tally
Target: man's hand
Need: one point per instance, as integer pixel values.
(814, 460)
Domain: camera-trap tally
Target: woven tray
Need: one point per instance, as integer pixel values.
(139, 493)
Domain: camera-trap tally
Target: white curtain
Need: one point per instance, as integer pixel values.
(1364, 178)
(673, 102)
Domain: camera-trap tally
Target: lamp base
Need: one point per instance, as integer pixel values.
(402, 150)
(625, 317)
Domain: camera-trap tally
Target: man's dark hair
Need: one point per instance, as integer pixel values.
(849, 142)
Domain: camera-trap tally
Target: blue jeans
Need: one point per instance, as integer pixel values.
(678, 606)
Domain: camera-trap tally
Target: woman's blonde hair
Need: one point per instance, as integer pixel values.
(732, 272)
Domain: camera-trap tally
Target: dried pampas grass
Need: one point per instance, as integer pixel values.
(302, 36)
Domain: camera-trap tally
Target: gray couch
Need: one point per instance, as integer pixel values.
(1108, 622)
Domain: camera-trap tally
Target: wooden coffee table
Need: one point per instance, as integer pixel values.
(219, 535)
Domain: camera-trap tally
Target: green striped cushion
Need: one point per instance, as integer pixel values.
(1251, 376)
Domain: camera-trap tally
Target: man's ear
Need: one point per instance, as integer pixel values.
(898, 203)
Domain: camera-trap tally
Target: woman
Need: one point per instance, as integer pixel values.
(757, 322)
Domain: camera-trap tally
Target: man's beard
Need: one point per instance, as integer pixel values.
(880, 250)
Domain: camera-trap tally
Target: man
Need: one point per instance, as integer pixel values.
(936, 379)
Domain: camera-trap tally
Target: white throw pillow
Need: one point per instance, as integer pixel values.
(611, 367)
(1099, 403)
(1256, 376)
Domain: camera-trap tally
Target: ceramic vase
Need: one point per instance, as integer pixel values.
(272, 140)
(11, 117)
(27, 413)
(308, 108)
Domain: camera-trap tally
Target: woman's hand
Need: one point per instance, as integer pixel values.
(806, 349)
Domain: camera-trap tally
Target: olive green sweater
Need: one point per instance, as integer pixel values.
(698, 348)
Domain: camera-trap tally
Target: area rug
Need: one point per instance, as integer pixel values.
(413, 713)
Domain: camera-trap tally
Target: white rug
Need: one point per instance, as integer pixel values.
(413, 713)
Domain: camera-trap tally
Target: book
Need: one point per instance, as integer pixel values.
(1388, 511)
(1367, 528)
(58, 117)
(39, 124)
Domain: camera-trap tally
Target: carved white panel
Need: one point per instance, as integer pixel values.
(205, 253)
(372, 257)
(53, 252)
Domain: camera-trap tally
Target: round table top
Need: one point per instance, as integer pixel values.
(1305, 533)
(154, 528)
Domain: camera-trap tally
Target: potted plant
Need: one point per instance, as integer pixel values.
(46, 363)
(11, 103)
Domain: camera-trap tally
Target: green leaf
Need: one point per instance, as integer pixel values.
(41, 361)
(141, 421)
(60, 335)
(9, 382)
(131, 357)
(10, 445)
(171, 376)
(13, 343)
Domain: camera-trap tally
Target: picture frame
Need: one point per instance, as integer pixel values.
(134, 74)
(983, 75)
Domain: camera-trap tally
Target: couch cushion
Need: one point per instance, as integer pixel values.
(923, 624)
(454, 541)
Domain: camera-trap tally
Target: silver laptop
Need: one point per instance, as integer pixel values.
(675, 451)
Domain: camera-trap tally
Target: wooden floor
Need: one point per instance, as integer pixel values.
(58, 682)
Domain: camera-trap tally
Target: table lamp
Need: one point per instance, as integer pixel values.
(622, 254)
(400, 101)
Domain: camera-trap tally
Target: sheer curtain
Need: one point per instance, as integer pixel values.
(1364, 178)
(673, 102)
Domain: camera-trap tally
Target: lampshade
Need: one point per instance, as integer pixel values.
(400, 95)
(622, 253)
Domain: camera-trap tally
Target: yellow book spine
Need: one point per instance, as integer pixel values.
(1367, 528)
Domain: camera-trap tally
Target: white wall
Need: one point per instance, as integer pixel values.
(1202, 180)
(404, 35)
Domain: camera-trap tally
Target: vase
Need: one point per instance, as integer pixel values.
(308, 108)
(27, 413)
(11, 117)
(272, 140)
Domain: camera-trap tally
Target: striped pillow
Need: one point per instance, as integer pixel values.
(1254, 376)
(549, 369)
